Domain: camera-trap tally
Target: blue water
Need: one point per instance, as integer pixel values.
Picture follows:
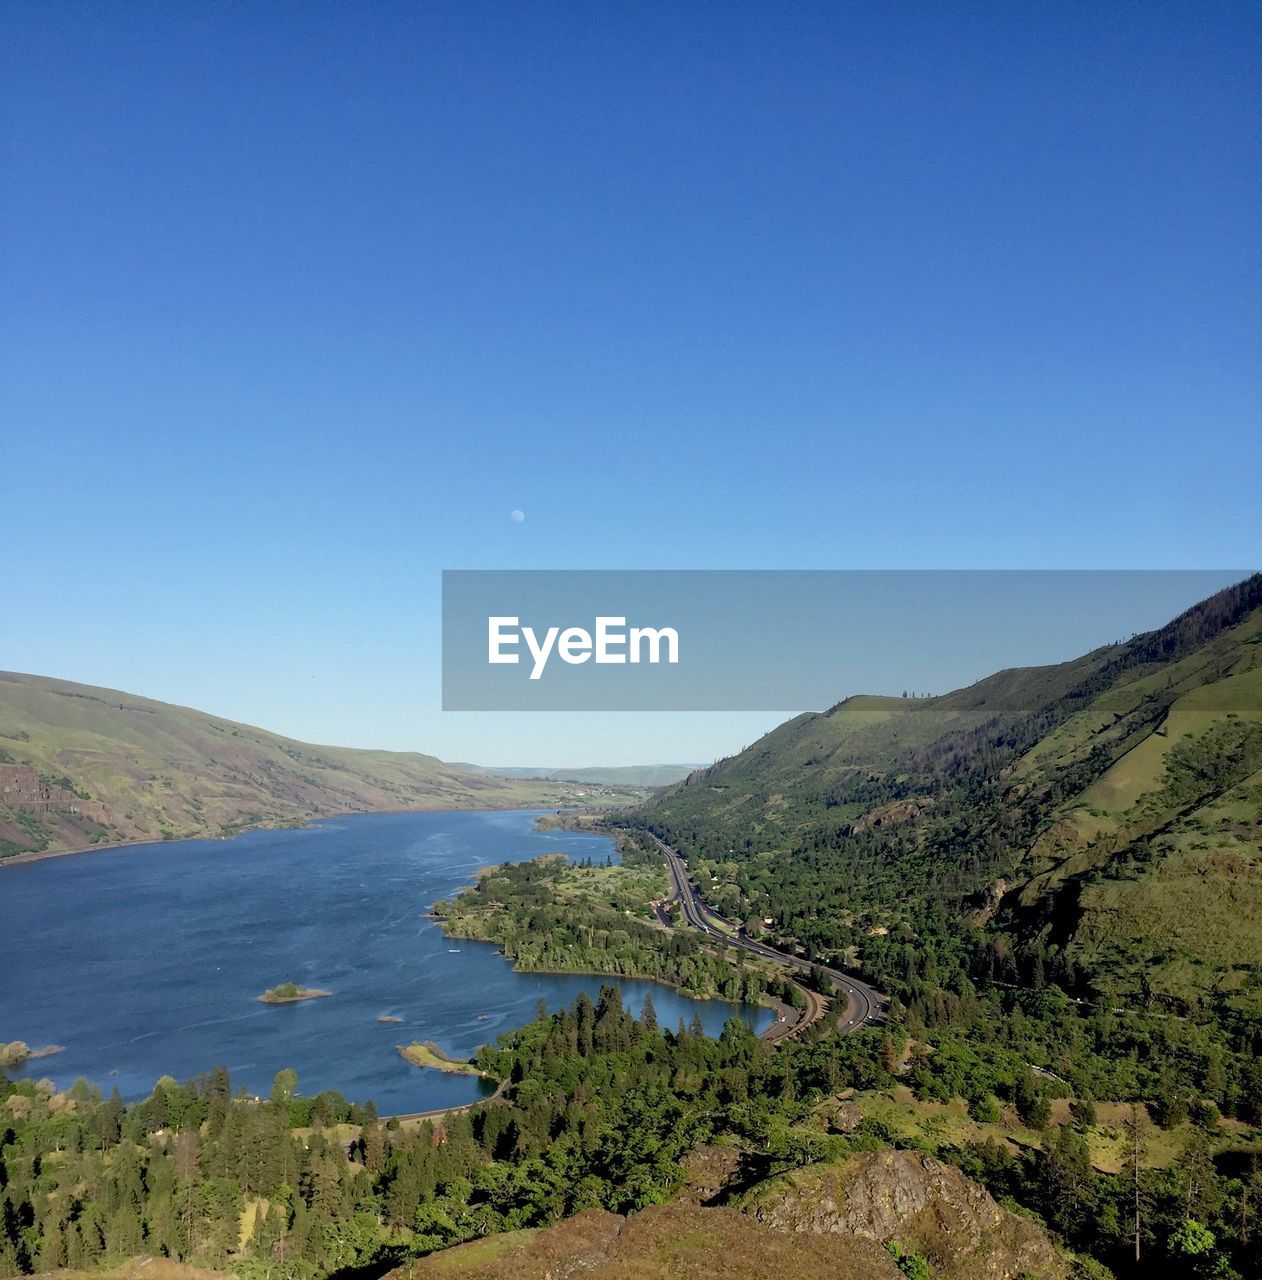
(148, 961)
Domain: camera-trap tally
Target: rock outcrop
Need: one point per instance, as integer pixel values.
(917, 1202)
(824, 1223)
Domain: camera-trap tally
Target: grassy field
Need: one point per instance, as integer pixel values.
(623, 888)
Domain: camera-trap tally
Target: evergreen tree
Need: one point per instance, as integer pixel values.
(648, 1015)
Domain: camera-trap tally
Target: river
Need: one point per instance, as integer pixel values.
(148, 961)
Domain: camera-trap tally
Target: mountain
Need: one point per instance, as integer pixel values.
(1102, 816)
(630, 775)
(82, 766)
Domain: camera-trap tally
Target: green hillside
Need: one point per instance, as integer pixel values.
(1160, 857)
(81, 766)
(1099, 820)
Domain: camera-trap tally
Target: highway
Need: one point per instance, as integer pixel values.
(864, 1004)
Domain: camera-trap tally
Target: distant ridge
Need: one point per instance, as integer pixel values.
(630, 775)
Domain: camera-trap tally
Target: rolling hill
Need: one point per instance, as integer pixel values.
(82, 766)
(1103, 815)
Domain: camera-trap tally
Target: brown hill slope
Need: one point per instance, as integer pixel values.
(82, 766)
(663, 1242)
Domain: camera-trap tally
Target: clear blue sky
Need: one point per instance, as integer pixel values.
(300, 300)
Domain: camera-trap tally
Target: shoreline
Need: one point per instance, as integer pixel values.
(776, 1007)
(42, 855)
(419, 1117)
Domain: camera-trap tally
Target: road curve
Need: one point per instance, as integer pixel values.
(864, 1004)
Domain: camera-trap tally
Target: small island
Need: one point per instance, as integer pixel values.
(291, 993)
(428, 1054)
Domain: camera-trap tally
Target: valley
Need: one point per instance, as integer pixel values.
(1016, 927)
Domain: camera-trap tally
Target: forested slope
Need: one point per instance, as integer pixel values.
(1099, 812)
(1060, 866)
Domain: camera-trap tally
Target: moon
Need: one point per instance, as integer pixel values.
(517, 515)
